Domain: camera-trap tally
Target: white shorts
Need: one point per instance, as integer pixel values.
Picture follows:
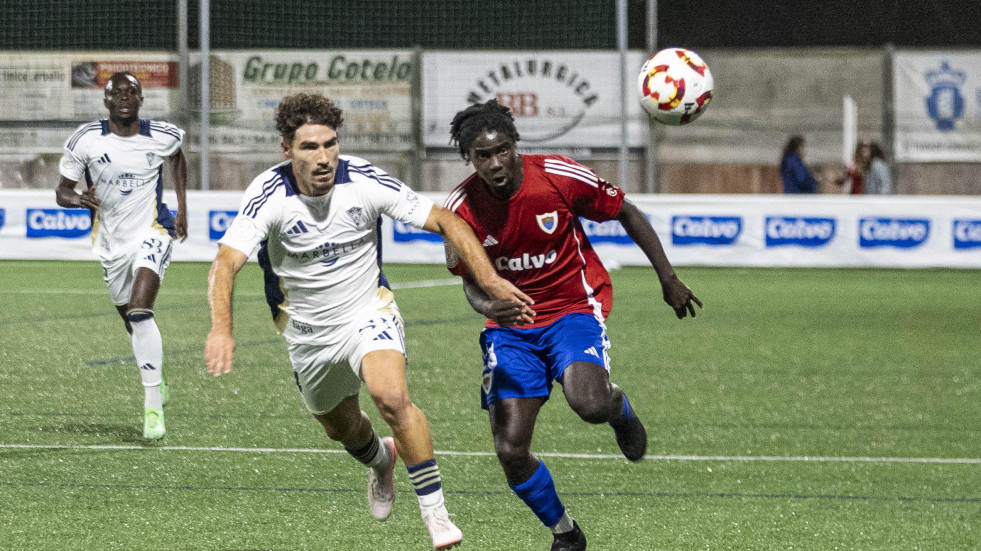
(152, 252)
(326, 374)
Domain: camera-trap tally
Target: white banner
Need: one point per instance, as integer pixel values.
(566, 99)
(372, 87)
(68, 86)
(704, 230)
(938, 106)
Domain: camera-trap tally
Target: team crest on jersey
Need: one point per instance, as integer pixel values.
(150, 158)
(358, 216)
(548, 221)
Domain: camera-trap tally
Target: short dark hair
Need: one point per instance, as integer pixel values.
(128, 74)
(303, 108)
(473, 120)
(793, 146)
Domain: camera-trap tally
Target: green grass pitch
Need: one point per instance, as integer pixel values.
(802, 409)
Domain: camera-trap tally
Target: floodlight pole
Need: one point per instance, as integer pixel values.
(183, 62)
(650, 152)
(622, 46)
(205, 90)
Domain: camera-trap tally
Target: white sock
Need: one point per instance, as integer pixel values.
(431, 503)
(564, 525)
(148, 349)
(380, 462)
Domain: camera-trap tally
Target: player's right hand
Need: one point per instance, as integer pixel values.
(88, 199)
(219, 351)
(510, 312)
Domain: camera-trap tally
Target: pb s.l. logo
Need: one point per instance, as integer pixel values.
(548, 221)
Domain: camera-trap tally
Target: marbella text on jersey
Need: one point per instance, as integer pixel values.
(328, 253)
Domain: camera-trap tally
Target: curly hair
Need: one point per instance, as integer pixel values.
(299, 109)
(469, 123)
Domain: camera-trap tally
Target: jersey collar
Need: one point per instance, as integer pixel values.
(144, 127)
(341, 176)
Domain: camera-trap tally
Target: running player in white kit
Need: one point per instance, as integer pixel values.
(315, 221)
(122, 161)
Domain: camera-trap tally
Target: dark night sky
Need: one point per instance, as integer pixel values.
(769, 23)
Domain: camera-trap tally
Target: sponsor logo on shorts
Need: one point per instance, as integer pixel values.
(705, 230)
(66, 223)
(302, 328)
(402, 232)
(799, 231)
(218, 223)
(967, 233)
(901, 233)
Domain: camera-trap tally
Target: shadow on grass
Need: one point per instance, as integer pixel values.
(130, 434)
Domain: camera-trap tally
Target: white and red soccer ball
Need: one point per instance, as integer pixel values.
(675, 86)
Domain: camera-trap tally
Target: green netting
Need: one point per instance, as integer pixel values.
(88, 25)
(242, 24)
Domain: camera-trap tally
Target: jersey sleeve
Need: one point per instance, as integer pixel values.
(255, 218)
(589, 195)
(73, 158)
(392, 197)
(169, 136)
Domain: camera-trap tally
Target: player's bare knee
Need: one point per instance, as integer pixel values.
(593, 411)
(512, 455)
(392, 406)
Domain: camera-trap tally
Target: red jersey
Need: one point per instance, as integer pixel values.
(535, 239)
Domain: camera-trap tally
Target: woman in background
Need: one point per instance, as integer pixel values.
(797, 178)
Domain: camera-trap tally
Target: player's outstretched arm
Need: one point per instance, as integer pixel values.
(459, 235)
(219, 350)
(178, 165)
(66, 196)
(678, 296)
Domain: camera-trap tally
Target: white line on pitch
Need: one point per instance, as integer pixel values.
(201, 292)
(745, 458)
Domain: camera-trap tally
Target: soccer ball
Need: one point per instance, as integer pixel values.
(675, 86)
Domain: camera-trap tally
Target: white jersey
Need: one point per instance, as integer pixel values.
(128, 177)
(321, 254)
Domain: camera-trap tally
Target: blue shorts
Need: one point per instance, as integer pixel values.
(522, 363)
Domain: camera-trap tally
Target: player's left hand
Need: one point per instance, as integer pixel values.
(679, 297)
(180, 226)
(501, 289)
(219, 353)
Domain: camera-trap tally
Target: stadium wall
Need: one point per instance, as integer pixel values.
(706, 230)
(762, 97)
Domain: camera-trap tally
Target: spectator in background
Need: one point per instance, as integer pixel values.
(878, 180)
(797, 178)
(853, 180)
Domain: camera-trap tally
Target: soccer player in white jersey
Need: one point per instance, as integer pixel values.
(315, 221)
(122, 160)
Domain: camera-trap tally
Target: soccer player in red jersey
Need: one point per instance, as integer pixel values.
(525, 209)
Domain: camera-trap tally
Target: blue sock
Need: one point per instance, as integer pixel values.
(538, 493)
(626, 413)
